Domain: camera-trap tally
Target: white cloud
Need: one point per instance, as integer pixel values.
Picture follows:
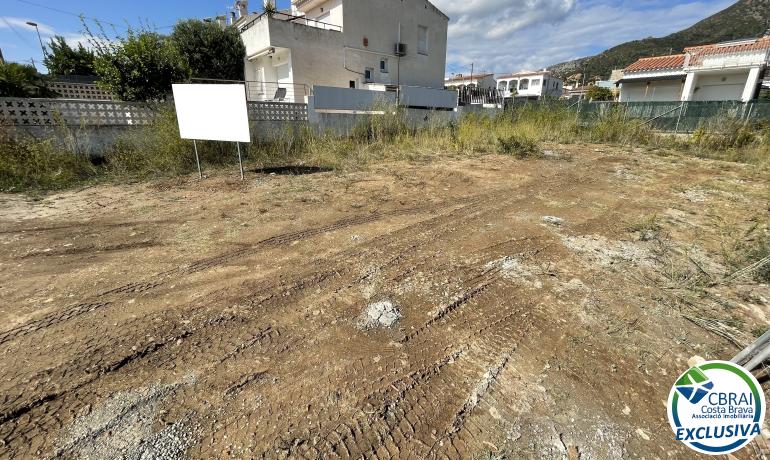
(510, 35)
(20, 25)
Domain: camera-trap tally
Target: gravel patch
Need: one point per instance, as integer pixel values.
(122, 427)
(606, 252)
(382, 314)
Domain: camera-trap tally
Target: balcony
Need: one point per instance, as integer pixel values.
(281, 30)
(290, 18)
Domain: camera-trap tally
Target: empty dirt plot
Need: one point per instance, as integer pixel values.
(481, 307)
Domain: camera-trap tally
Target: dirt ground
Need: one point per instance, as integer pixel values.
(481, 307)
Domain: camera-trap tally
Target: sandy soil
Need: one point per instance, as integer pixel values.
(461, 308)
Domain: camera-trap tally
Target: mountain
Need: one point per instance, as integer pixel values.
(744, 19)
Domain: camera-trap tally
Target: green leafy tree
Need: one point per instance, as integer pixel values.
(62, 59)
(21, 80)
(141, 66)
(210, 51)
(597, 93)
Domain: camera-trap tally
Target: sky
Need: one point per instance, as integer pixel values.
(492, 35)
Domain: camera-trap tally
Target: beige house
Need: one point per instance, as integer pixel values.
(374, 44)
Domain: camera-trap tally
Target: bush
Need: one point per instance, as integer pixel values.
(62, 59)
(31, 164)
(210, 51)
(140, 67)
(597, 93)
(519, 146)
(21, 80)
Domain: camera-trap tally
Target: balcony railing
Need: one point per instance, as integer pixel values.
(269, 91)
(291, 18)
(265, 91)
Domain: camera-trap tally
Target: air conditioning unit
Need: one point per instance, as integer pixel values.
(400, 49)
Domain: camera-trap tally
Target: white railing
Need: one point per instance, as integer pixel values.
(291, 18)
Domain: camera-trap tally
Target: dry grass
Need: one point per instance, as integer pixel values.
(157, 150)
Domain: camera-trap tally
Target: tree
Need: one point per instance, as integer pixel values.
(62, 59)
(21, 80)
(597, 93)
(139, 67)
(210, 51)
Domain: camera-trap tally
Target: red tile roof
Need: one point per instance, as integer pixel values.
(738, 46)
(672, 62)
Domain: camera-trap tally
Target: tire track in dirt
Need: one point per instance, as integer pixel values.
(197, 266)
(398, 419)
(279, 294)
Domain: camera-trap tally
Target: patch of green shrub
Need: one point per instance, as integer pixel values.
(519, 146)
(31, 164)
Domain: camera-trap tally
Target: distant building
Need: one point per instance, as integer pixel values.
(480, 80)
(530, 85)
(343, 43)
(719, 72)
(659, 78)
(576, 92)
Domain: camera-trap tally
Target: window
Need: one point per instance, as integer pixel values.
(535, 82)
(524, 84)
(422, 40)
(502, 85)
(383, 66)
(512, 85)
(352, 83)
(368, 75)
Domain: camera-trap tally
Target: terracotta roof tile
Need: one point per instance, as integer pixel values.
(738, 46)
(672, 62)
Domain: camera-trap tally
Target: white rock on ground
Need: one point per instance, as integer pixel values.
(553, 220)
(380, 314)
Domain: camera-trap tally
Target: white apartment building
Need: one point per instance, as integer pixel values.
(530, 85)
(374, 44)
(728, 71)
(480, 80)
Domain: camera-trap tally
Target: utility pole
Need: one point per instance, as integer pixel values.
(33, 24)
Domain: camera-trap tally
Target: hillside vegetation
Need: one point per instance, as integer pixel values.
(744, 19)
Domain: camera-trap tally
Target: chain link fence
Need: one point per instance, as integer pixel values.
(673, 116)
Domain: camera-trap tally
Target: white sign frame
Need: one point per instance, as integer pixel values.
(213, 112)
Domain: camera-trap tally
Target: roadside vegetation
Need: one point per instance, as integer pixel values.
(157, 151)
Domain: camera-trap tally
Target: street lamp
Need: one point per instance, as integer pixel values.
(33, 24)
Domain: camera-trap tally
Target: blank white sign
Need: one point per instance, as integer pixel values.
(212, 112)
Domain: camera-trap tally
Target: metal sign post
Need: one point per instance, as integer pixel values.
(197, 159)
(240, 162)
